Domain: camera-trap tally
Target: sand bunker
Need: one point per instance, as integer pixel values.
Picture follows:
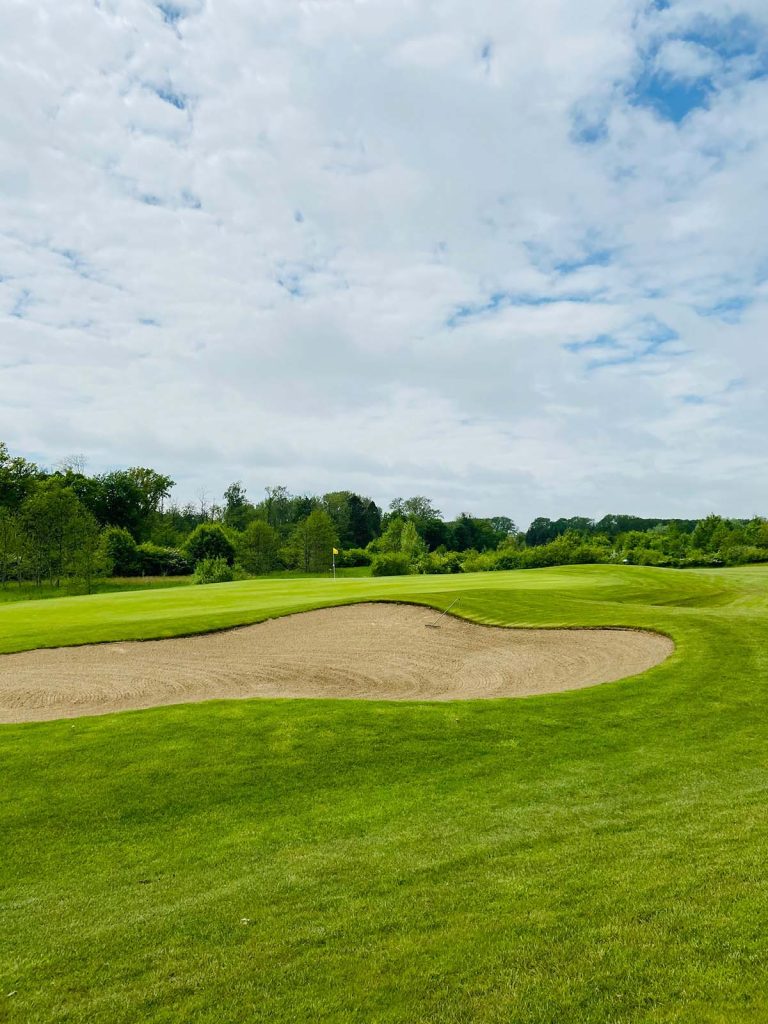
(365, 651)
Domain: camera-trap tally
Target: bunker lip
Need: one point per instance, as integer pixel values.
(365, 651)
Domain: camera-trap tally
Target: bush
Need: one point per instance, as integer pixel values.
(209, 540)
(507, 558)
(121, 550)
(475, 561)
(213, 570)
(440, 563)
(391, 563)
(154, 560)
(352, 558)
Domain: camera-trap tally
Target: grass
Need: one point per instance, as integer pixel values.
(594, 856)
(30, 592)
(12, 592)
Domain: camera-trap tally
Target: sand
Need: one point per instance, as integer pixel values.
(365, 652)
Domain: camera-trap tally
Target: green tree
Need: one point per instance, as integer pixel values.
(704, 536)
(52, 518)
(336, 504)
(155, 488)
(119, 501)
(312, 542)
(258, 547)
(357, 519)
(89, 561)
(411, 544)
(364, 520)
(11, 542)
(422, 513)
(757, 532)
(277, 507)
(209, 540)
(391, 539)
(17, 478)
(238, 511)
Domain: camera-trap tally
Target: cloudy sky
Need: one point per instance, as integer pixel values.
(511, 255)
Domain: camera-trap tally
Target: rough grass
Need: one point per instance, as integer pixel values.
(594, 856)
(30, 592)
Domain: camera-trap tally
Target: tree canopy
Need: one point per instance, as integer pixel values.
(63, 523)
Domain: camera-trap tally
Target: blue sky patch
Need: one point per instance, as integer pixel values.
(591, 252)
(505, 300)
(588, 129)
(291, 279)
(671, 98)
(596, 258)
(171, 12)
(170, 96)
(22, 303)
(602, 341)
(77, 263)
(728, 310)
(738, 45)
(642, 342)
(190, 200)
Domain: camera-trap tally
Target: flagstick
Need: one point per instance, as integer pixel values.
(333, 556)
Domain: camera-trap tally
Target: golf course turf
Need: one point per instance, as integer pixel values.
(591, 856)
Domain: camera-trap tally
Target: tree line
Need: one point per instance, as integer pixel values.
(64, 524)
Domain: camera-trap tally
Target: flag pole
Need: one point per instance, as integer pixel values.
(333, 556)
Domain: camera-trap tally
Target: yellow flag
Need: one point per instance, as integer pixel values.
(335, 551)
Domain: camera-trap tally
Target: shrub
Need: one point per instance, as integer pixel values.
(391, 563)
(213, 570)
(209, 540)
(352, 558)
(474, 561)
(507, 558)
(440, 563)
(121, 550)
(154, 560)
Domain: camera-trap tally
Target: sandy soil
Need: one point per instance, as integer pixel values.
(367, 651)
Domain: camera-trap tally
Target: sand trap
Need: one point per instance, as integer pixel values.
(365, 651)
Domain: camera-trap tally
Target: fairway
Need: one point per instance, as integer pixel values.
(588, 856)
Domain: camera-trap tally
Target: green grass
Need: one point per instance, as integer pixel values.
(12, 592)
(46, 591)
(594, 856)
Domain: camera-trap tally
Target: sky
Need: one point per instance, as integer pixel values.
(510, 255)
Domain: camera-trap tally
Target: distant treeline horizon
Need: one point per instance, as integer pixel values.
(64, 523)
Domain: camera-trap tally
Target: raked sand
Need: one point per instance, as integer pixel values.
(363, 652)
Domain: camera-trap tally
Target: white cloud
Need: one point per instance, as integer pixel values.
(255, 276)
(686, 60)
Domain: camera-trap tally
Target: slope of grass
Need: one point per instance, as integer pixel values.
(593, 856)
